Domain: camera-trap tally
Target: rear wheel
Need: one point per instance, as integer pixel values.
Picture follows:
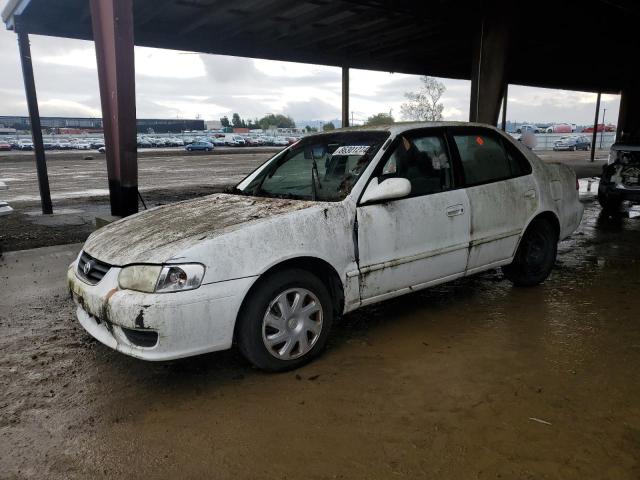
(535, 256)
(285, 321)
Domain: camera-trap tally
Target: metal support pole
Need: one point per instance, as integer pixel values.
(345, 97)
(604, 114)
(595, 129)
(112, 22)
(34, 117)
(504, 107)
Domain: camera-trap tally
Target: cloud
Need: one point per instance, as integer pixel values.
(172, 84)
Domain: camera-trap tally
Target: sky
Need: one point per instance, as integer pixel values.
(171, 84)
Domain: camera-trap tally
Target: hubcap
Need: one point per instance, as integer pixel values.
(292, 323)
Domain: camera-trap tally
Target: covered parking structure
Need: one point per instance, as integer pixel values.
(488, 42)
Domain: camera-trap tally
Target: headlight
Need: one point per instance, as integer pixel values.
(143, 278)
(161, 278)
(175, 278)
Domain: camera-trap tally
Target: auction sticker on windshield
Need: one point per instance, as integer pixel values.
(351, 150)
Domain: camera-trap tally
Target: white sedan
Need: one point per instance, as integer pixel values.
(334, 222)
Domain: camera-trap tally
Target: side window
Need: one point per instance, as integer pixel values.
(484, 159)
(423, 160)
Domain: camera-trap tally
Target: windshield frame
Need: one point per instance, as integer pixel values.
(384, 137)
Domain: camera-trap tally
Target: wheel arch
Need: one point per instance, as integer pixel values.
(550, 217)
(317, 266)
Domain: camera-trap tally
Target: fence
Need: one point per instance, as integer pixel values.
(604, 140)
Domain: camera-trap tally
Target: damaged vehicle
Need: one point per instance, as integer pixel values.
(620, 180)
(332, 223)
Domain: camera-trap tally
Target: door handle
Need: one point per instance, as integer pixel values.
(530, 194)
(454, 210)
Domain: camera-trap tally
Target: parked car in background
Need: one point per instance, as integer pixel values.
(560, 128)
(528, 128)
(24, 145)
(620, 179)
(233, 140)
(601, 127)
(82, 145)
(218, 141)
(572, 143)
(102, 149)
(280, 142)
(200, 145)
(328, 225)
(4, 146)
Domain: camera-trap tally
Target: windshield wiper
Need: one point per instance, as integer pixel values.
(315, 176)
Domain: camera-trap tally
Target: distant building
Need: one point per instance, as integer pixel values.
(64, 124)
(214, 124)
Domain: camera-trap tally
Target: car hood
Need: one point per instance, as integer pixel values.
(160, 234)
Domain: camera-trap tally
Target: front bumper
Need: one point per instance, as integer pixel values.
(186, 323)
(619, 191)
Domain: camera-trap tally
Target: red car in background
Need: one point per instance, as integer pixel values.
(601, 128)
(5, 146)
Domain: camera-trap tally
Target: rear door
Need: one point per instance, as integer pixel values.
(502, 193)
(421, 239)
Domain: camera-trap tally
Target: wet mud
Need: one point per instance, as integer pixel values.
(475, 379)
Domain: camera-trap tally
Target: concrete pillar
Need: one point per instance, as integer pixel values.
(34, 118)
(112, 22)
(345, 97)
(489, 68)
(629, 116)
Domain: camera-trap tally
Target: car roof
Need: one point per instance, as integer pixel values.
(400, 127)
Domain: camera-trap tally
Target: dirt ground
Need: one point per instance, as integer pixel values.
(475, 379)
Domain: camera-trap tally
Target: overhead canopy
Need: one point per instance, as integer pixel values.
(571, 45)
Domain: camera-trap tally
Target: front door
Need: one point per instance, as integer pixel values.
(419, 240)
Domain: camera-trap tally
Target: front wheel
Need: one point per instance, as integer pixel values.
(535, 256)
(285, 321)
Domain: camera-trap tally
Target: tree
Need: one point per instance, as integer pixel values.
(276, 121)
(237, 121)
(224, 121)
(310, 129)
(380, 119)
(424, 104)
(328, 126)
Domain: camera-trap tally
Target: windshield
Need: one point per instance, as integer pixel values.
(320, 167)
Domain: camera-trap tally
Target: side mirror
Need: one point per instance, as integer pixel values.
(388, 189)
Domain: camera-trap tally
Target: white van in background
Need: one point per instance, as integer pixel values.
(234, 140)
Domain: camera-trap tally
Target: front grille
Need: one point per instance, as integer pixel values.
(96, 270)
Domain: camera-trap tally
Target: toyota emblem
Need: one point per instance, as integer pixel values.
(87, 267)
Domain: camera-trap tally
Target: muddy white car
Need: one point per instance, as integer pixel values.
(332, 223)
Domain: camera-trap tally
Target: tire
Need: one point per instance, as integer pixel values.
(535, 256)
(286, 332)
(189, 149)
